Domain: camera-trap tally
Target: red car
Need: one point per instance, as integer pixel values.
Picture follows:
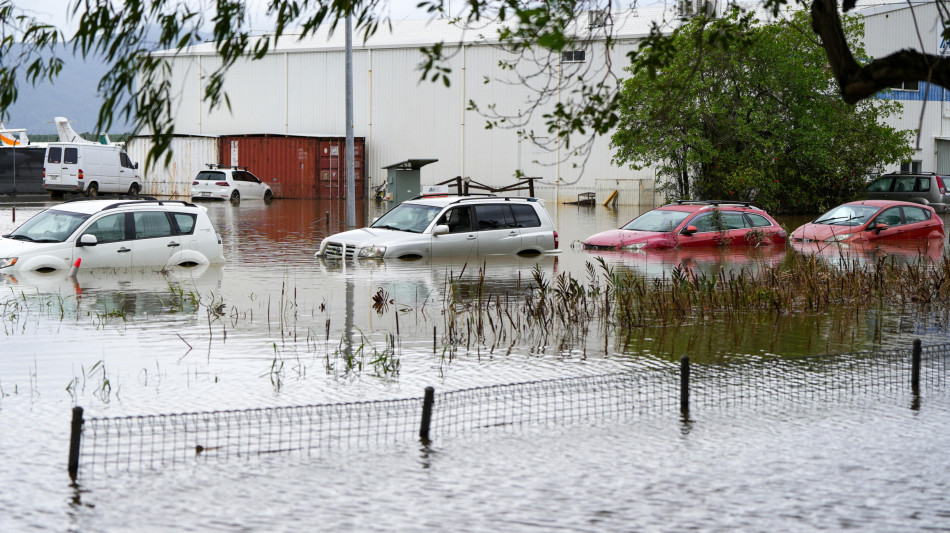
(871, 221)
(688, 223)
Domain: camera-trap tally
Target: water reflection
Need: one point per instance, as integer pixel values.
(709, 260)
(864, 253)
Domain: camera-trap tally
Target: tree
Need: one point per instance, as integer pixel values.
(121, 32)
(747, 111)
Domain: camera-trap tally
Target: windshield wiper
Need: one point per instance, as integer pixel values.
(19, 237)
(386, 226)
(827, 220)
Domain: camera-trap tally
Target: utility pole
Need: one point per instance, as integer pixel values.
(350, 178)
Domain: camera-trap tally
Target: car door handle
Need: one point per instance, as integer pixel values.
(512, 233)
(470, 238)
(173, 244)
(124, 250)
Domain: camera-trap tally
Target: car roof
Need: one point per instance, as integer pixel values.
(692, 207)
(886, 203)
(91, 207)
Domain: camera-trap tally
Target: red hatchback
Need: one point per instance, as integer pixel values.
(688, 223)
(873, 220)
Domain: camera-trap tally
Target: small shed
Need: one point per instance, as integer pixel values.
(403, 179)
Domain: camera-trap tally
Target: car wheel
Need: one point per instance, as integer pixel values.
(268, 196)
(235, 197)
(134, 189)
(92, 189)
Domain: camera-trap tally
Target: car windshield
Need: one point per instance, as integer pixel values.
(408, 217)
(49, 226)
(657, 220)
(848, 215)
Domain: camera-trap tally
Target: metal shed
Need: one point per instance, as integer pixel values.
(190, 154)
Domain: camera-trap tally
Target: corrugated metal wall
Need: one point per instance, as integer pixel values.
(189, 155)
(297, 167)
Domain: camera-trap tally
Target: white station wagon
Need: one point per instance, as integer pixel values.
(443, 226)
(113, 234)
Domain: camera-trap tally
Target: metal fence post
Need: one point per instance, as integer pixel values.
(426, 414)
(915, 368)
(74, 442)
(684, 384)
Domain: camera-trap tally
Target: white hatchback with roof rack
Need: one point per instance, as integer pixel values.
(221, 182)
(113, 234)
(443, 226)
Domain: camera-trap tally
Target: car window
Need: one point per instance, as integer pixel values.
(727, 220)
(881, 184)
(525, 216)
(110, 228)
(251, 178)
(733, 220)
(916, 214)
(55, 155)
(70, 156)
(890, 216)
(657, 220)
(124, 160)
(492, 216)
(904, 184)
(51, 225)
(185, 222)
(150, 224)
(208, 175)
(847, 215)
(923, 184)
(758, 221)
(458, 219)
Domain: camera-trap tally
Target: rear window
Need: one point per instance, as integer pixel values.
(54, 155)
(525, 216)
(916, 214)
(150, 224)
(491, 217)
(71, 156)
(209, 175)
(758, 221)
(185, 222)
(923, 184)
(904, 184)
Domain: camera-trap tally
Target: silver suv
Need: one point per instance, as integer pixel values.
(442, 226)
(924, 188)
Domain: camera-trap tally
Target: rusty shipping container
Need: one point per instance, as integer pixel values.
(297, 166)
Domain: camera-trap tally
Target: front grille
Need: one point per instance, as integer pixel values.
(334, 250)
(598, 247)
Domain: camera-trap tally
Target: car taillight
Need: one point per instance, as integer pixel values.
(555, 240)
(80, 173)
(221, 183)
(940, 186)
(194, 183)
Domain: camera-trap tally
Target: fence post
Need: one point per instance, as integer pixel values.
(74, 441)
(915, 368)
(684, 384)
(328, 220)
(426, 414)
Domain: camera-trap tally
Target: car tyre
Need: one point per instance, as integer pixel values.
(92, 190)
(235, 197)
(268, 196)
(134, 190)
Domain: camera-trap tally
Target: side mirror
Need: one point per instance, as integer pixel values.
(689, 230)
(374, 220)
(87, 239)
(441, 229)
(136, 166)
(879, 227)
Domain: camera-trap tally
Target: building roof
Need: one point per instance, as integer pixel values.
(631, 23)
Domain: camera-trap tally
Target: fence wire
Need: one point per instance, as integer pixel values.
(158, 441)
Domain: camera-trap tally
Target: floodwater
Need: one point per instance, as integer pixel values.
(277, 327)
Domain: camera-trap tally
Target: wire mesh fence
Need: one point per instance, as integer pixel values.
(159, 441)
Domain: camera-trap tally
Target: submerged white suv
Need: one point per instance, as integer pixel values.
(442, 226)
(113, 234)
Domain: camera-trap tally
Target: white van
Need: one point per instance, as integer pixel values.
(89, 169)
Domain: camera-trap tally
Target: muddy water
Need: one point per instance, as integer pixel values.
(276, 326)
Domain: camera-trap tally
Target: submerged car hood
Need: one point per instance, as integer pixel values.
(820, 232)
(618, 238)
(363, 237)
(15, 247)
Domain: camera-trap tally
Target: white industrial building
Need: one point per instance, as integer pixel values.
(298, 88)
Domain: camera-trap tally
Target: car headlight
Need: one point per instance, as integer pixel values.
(7, 262)
(373, 252)
(635, 246)
(839, 238)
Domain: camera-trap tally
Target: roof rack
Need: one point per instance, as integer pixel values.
(218, 165)
(714, 202)
(447, 194)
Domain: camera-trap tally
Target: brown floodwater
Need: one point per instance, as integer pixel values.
(276, 326)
